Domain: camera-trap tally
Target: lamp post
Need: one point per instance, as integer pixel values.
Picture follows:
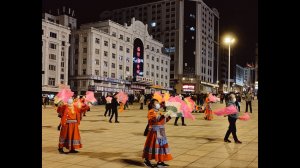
(228, 40)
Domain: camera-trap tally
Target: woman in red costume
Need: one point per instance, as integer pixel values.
(156, 145)
(69, 132)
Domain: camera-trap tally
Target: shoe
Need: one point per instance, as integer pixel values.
(164, 164)
(117, 122)
(73, 151)
(238, 142)
(58, 128)
(160, 165)
(176, 124)
(227, 140)
(148, 163)
(60, 150)
(183, 124)
(110, 121)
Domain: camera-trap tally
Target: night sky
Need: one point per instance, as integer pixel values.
(237, 16)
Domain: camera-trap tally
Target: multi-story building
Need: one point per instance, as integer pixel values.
(55, 54)
(189, 30)
(239, 78)
(110, 57)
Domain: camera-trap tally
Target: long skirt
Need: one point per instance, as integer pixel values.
(208, 113)
(156, 145)
(70, 136)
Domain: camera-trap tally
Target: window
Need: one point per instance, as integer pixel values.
(147, 46)
(97, 51)
(62, 76)
(52, 67)
(105, 43)
(84, 50)
(84, 61)
(157, 75)
(42, 31)
(83, 71)
(127, 50)
(127, 68)
(51, 81)
(120, 67)
(152, 74)
(162, 61)
(157, 59)
(53, 35)
(113, 75)
(166, 62)
(120, 57)
(166, 70)
(152, 66)
(113, 45)
(52, 56)
(62, 53)
(127, 59)
(166, 77)
(121, 48)
(121, 36)
(62, 64)
(113, 65)
(157, 67)
(97, 41)
(104, 73)
(62, 70)
(156, 82)
(97, 72)
(53, 46)
(63, 43)
(83, 83)
(147, 56)
(152, 49)
(152, 58)
(105, 53)
(105, 63)
(161, 76)
(113, 55)
(172, 76)
(147, 72)
(114, 34)
(97, 62)
(161, 68)
(84, 39)
(128, 39)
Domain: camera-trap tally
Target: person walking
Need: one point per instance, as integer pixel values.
(248, 99)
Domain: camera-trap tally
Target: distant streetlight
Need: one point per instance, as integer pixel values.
(229, 40)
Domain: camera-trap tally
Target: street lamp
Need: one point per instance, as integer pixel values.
(228, 40)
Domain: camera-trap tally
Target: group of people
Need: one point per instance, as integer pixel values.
(156, 145)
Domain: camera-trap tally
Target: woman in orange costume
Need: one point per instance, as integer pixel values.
(156, 145)
(208, 112)
(69, 133)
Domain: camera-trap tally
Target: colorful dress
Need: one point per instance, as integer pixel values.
(69, 134)
(208, 112)
(156, 145)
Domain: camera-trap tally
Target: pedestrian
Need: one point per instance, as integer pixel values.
(232, 120)
(156, 146)
(248, 99)
(108, 106)
(142, 98)
(114, 108)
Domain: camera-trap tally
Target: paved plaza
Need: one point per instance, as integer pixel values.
(120, 145)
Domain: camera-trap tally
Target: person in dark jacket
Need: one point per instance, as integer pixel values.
(114, 107)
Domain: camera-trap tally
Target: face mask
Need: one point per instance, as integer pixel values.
(234, 99)
(70, 101)
(157, 106)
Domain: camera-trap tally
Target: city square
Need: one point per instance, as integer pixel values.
(113, 145)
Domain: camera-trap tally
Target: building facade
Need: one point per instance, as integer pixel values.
(55, 54)
(110, 57)
(189, 30)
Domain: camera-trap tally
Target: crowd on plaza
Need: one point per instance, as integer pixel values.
(71, 110)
